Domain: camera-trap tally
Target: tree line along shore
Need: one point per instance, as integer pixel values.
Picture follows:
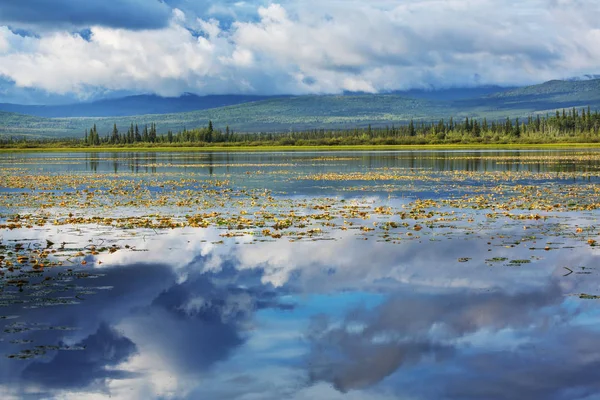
(565, 126)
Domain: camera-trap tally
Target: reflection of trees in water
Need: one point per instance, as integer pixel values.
(151, 159)
(463, 160)
(92, 162)
(118, 161)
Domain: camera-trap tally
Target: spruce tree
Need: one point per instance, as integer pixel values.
(115, 135)
(138, 137)
(130, 134)
(152, 135)
(476, 131)
(209, 132)
(508, 126)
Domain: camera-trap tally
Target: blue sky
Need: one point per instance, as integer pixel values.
(62, 50)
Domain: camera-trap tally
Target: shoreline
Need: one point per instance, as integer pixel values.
(468, 146)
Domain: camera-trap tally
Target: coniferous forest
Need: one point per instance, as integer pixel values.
(567, 125)
(572, 125)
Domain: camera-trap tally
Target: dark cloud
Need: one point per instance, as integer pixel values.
(83, 368)
(130, 14)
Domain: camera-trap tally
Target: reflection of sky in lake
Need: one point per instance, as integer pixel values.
(180, 315)
(347, 318)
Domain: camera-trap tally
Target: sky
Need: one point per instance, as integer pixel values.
(63, 50)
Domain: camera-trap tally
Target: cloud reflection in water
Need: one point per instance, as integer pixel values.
(193, 319)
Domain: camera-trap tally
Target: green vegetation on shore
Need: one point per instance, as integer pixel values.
(244, 148)
(572, 126)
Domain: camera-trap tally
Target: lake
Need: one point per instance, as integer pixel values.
(300, 275)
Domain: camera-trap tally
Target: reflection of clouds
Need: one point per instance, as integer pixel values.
(190, 309)
(132, 287)
(429, 260)
(203, 321)
(180, 329)
(270, 383)
(562, 366)
(195, 324)
(539, 352)
(186, 250)
(96, 364)
(350, 262)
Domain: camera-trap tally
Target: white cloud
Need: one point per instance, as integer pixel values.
(318, 47)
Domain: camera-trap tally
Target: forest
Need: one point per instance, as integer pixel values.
(572, 125)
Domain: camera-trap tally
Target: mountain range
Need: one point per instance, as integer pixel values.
(132, 105)
(283, 113)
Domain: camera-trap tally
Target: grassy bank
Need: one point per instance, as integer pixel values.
(271, 148)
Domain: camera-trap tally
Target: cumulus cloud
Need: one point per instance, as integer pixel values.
(306, 47)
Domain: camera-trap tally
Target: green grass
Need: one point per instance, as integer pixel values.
(473, 146)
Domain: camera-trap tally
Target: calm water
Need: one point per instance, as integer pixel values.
(400, 275)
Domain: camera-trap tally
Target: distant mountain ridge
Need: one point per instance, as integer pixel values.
(153, 104)
(553, 87)
(133, 105)
(457, 93)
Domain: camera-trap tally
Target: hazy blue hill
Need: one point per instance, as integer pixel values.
(28, 125)
(573, 88)
(343, 111)
(547, 96)
(459, 93)
(132, 105)
(152, 104)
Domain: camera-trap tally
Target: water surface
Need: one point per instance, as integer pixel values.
(305, 275)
